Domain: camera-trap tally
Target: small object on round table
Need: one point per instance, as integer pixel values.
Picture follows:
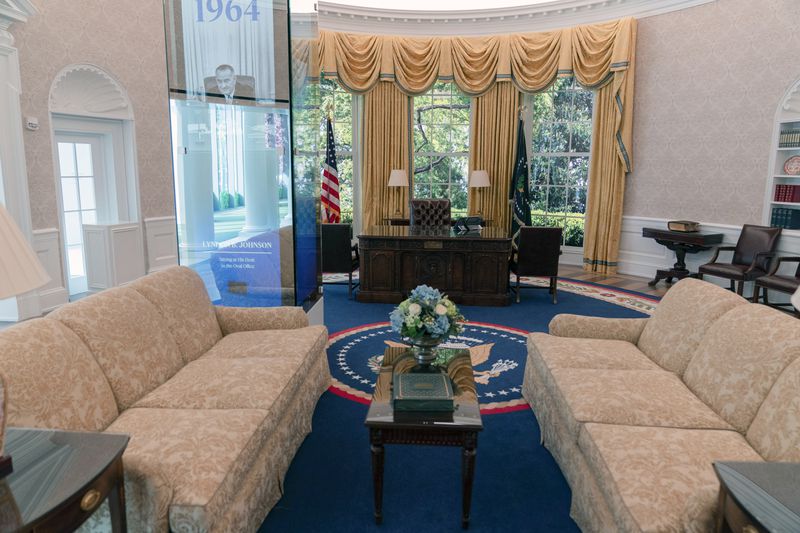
(792, 166)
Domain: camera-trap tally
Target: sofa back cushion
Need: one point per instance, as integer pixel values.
(180, 296)
(775, 431)
(52, 380)
(127, 337)
(739, 360)
(680, 320)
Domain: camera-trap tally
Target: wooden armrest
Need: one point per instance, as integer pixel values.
(777, 264)
(757, 257)
(719, 249)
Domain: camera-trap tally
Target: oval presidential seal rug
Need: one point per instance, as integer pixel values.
(498, 351)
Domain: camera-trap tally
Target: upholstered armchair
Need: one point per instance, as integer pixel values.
(339, 255)
(777, 282)
(430, 212)
(537, 255)
(751, 256)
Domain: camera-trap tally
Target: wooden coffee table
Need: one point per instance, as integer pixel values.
(459, 428)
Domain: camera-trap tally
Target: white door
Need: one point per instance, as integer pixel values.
(81, 178)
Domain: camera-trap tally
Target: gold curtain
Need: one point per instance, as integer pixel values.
(387, 146)
(600, 56)
(493, 141)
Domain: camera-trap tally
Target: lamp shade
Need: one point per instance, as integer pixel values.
(398, 178)
(796, 299)
(479, 178)
(20, 269)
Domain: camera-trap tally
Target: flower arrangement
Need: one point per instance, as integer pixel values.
(427, 313)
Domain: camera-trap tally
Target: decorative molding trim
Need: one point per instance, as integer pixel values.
(47, 245)
(161, 239)
(88, 90)
(12, 11)
(521, 19)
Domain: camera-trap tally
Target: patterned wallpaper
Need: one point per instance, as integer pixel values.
(125, 38)
(708, 83)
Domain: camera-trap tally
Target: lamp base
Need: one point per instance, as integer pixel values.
(5, 466)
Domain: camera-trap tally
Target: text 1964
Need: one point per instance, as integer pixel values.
(212, 10)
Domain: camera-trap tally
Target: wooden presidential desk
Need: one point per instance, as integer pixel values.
(471, 269)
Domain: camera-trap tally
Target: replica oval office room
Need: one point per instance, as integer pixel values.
(376, 266)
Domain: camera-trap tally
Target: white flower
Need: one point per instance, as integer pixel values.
(414, 309)
(440, 310)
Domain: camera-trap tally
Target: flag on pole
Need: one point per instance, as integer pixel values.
(330, 181)
(519, 195)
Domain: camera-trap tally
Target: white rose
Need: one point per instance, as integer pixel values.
(414, 309)
(440, 310)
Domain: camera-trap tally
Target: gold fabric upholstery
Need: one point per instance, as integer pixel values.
(181, 298)
(595, 327)
(290, 344)
(128, 338)
(236, 319)
(49, 374)
(775, 431)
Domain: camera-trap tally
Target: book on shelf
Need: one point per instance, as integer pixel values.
(789, 139)
(787, 193)
(785, 217)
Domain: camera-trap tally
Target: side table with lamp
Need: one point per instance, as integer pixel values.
(479, 180)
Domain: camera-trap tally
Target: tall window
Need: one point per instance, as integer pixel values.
(560, 144)
(341, 104)
(441, 145)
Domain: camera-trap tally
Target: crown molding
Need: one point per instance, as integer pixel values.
(532, 18)
(12, 11)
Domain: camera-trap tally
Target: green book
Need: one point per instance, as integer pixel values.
(422, 392)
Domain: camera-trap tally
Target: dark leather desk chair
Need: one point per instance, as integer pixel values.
(430, 213)
(339, 255)
(777, 282)
(751, 256)
(537, 255)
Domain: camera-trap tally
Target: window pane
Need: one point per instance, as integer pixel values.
(89, 217)
(66, 159)
(581, 137)
(579, 172)
(559, 138)
(573, 231)
(557, 200)
(72, 228)
(75, 258)
(422, 190)
(559, 170)
(460, 138)
(87, 193)
(576, 201)
(83, 152)
(539, 199)
(69, 194)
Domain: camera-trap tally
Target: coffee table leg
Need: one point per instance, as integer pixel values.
(376, 446)
(468, 454)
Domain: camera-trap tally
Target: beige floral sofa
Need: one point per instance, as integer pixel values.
(216, 400)
(635, 411)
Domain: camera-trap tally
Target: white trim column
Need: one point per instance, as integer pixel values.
(13, 171)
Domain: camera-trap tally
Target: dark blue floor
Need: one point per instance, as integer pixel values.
(518, 486)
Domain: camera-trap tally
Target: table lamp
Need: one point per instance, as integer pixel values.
(479, 179)
(20, 272)
(398, 178)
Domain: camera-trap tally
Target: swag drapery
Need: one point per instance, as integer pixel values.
(600, 56)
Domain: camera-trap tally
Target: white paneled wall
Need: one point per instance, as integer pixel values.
(161, 239)
(47, 245)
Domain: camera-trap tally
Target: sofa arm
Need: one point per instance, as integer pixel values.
(593, 327)
(233, 319)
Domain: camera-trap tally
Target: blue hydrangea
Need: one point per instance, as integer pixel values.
(426, 294)
(397, 317)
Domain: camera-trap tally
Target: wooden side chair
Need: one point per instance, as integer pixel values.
(777, 282)
(751, 256)
(537, 255)
(339, 255)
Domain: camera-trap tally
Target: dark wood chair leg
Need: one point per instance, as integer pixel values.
(740, 290)
(350, 286)
(699, 275)
(766, 296)
(756, 290)
(517, 288)
(733, 285)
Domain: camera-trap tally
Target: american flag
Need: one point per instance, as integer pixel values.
(330, 181)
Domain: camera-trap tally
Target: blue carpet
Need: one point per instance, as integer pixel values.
(518, 486)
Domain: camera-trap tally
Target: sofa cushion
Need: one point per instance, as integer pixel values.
(52, 379)
(681, 319)
(292, 344)
(739, 360)
(127, 337)
(775, 431)
(251, 383)
(648, 474)
(203, 454)
(629, 397)
(180, 296)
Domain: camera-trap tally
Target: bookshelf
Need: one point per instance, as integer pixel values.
(782, 198)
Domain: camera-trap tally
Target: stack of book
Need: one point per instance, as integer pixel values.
(783, 217)
(422, 392)
(789, 139)
(787, 193)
